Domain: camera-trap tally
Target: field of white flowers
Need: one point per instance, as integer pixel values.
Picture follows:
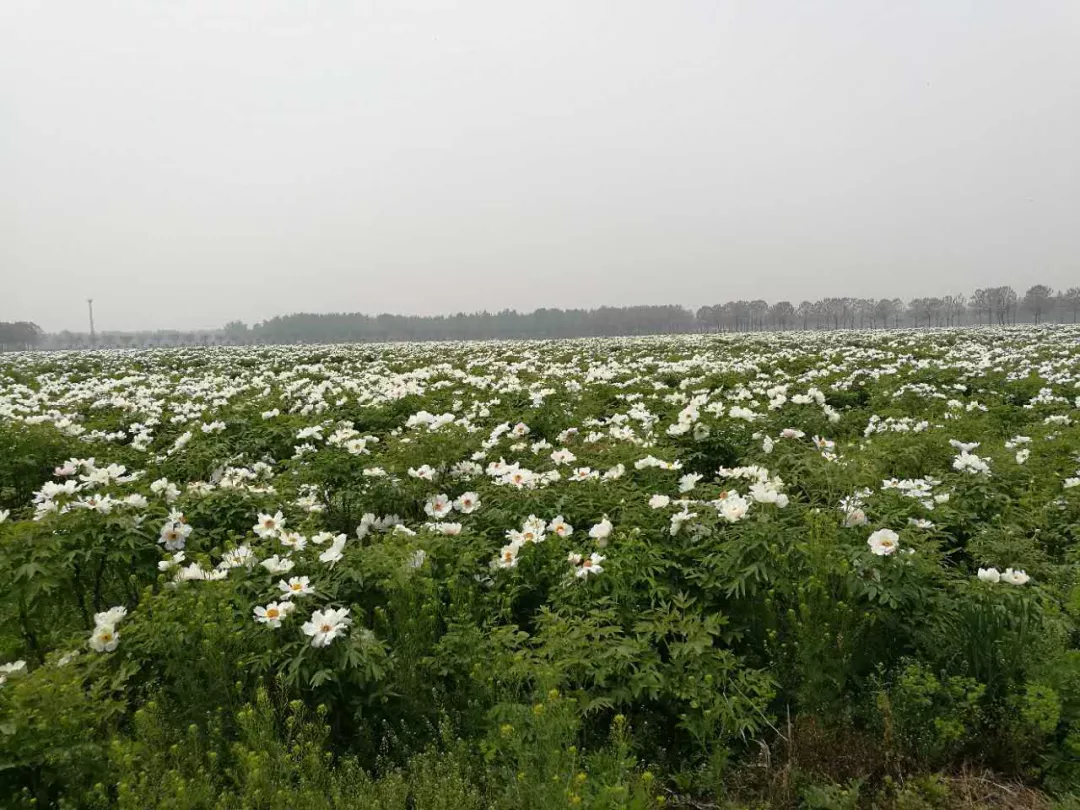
(798, 569)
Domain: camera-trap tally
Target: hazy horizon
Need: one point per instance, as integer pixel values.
(186, 165)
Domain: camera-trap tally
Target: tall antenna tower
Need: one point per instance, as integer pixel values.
(90, 306)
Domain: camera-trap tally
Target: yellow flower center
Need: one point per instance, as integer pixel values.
(273, 613)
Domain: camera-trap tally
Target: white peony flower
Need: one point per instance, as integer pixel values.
(296, 586)
(1014, 577)
(438, 506)
(269, 525)
(110, 617)
(326, 625)
(449, 529)
(560, 527)
(334, 552)
(883, 542)
(733, 508)
(600, 532)
(105, 638)
(659, 501)
(467, 503)
(689, 481)
(277, 565)
(590, 566)
(273, 613)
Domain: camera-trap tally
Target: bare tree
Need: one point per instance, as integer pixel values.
(925, 309)
(982, 304)
(1070, 301)
(884, 309)
(704, 318)
(804, 311)
(782, 312)
(759, 309)
(1003, 301)
(953, 309)
(740, 311)
(847, 310)
(864, 311)
(832, 310)
(1039, 300)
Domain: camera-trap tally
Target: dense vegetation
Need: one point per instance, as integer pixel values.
(824, 570)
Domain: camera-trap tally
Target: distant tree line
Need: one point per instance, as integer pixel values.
(19, 336)
(989, 305)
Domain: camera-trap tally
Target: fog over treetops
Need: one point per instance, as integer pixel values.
(187, 165)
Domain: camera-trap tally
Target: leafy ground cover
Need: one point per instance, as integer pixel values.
(776, 570)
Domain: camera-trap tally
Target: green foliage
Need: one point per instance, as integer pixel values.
(929, 717)
(29, 452)
(831, 797)
(785, 534)
(54, 727)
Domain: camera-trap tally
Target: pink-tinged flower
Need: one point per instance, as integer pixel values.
(438, 506)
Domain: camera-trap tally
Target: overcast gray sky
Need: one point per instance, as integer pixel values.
(188, 163)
